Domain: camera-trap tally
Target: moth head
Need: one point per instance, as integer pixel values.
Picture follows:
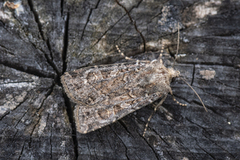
(173, 73)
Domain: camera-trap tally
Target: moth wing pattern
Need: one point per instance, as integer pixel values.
(107, 93)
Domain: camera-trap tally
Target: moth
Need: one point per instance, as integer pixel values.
(105, 93)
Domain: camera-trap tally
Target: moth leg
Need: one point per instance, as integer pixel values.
(150, 117)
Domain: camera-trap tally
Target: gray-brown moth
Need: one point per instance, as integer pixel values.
(107, 93)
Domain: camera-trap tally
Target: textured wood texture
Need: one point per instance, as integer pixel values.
(43, 39)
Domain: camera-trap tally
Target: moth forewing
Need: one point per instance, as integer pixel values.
(107, 93)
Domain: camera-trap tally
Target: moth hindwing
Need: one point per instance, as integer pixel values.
(106, 93)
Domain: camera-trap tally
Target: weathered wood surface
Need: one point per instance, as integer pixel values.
(43, 39)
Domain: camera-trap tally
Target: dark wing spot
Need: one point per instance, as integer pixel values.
(117, 108)
(103, 113)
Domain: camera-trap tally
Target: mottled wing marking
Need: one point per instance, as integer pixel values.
(105, 94)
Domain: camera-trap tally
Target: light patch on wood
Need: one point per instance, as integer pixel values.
(207, 9)
(180, 55)
(16, 6)
(185, 158)
(11, 5)
(127, 3)
(11, 102)
(43, 123)
(152, 45)
(21, 97)
(156, 45)
(207, 74)
(4, 15)
(19, 85)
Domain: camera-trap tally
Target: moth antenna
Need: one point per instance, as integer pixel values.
(178, 41)
(122, 54)
(196, 94)
(174, 99)
(181, 104)
(150, 117)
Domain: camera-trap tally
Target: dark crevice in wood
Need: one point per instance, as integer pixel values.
(2, 23)
(30, 140)
(206, 152)
(151, 147)
(164, 142)
(193, 74)
(50, 49)
(36, 17)
(73, 124)
(169, 154)
(61, 6)
(65, 44)
(50, 61)
(158, 14)
(52, 64)
(213, 142)
(105, 33)
(7, 50)
(181, 147)
(126, 148)
(89, 15)
(100, 39)
(226, 101)
(133, 22)
(170, 53)
(163, 138)
(29, 70)
(160, 137)
(5, 114)
(20, 119)
(40, 110)
(30, 3)
(125, 127)
(227, 85)
(50, 138)
(107, 30)
(15, 135)
(211, 139)
(20, 155)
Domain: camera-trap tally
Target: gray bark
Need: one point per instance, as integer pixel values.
(44, 39)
